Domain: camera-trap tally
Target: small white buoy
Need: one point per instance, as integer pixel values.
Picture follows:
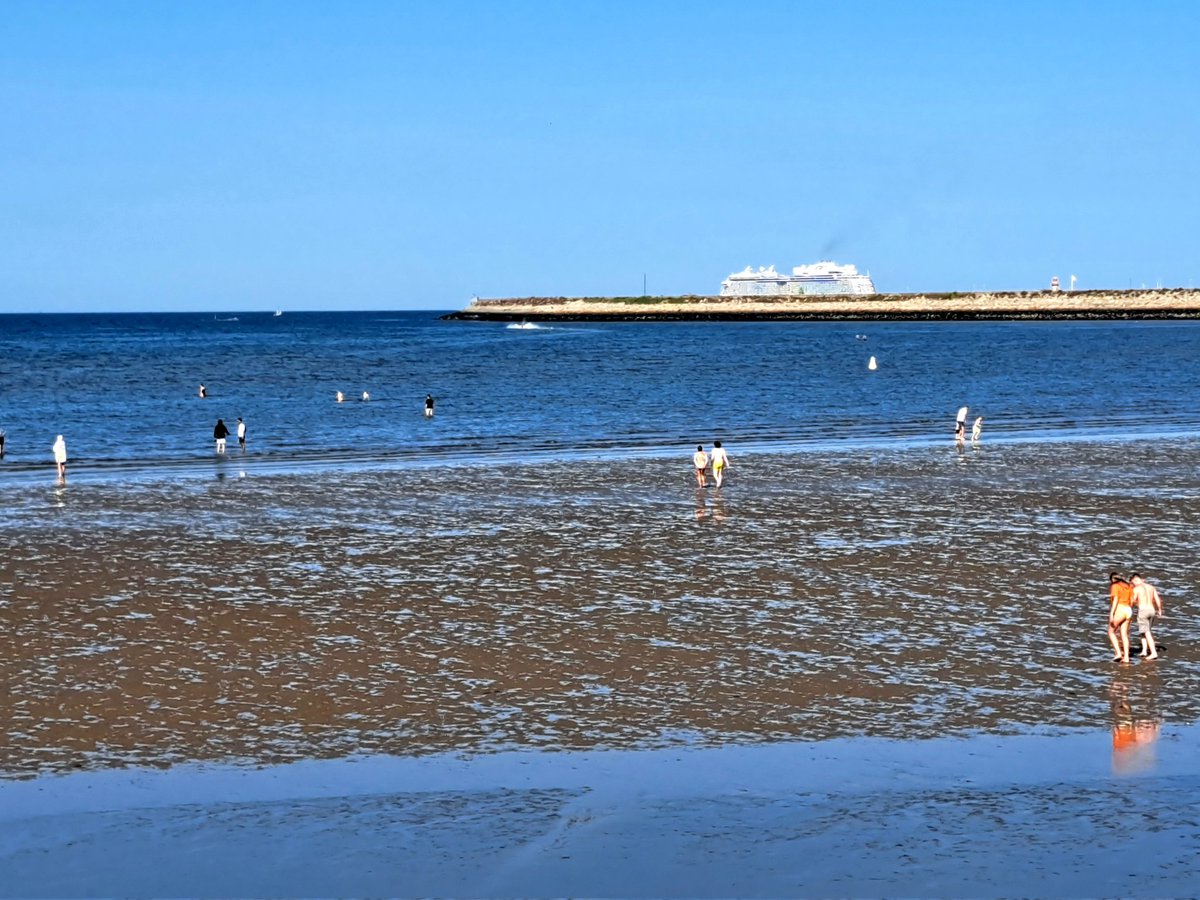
(872, 365)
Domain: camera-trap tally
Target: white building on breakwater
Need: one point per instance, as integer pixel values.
(818, 279)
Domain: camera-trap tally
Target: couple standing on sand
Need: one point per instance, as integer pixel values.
(1123, 596)
(720, 461)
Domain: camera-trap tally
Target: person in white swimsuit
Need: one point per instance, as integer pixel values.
(700, 461)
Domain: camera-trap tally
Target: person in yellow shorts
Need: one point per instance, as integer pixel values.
(720, 461)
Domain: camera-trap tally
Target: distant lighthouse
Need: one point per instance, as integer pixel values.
(1054, 284)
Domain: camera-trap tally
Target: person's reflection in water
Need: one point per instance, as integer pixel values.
(718, 510)
(1136, 720)
(701, 506)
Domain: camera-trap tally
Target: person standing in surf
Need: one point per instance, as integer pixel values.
(1149, 607)
(1120, 611)
(960, 424)
(220, 432)
(241, 433)
(700, 461)
(429, 406)
(720, 461)
(60, 457)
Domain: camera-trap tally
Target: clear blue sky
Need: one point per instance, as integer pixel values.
(253, 155)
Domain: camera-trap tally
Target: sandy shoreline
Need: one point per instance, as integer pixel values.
(588, 678)
(818, 595)
(1161, 303)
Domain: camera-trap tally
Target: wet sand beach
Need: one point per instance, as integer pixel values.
(908, 595)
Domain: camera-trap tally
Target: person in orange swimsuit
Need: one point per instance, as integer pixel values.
(1120, 611)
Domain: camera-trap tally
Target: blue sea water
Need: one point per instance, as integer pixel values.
(122, 388)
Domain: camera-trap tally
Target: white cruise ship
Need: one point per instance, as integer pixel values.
(819, 279)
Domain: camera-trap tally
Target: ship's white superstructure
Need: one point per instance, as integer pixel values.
(818, 279)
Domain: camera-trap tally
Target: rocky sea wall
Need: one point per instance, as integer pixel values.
(1161, 303)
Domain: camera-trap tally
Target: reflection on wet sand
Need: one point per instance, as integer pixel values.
(289, 616)
(1136, 719)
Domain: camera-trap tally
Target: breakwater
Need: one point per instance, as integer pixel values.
(1160, 303)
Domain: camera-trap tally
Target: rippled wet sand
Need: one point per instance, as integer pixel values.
(276, 617)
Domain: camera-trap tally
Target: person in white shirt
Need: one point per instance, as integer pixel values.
(241, 433)
(700, 461)
(960, 424)
(60, 457)
(720, 460)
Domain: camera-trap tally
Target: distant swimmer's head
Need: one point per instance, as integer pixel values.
(716, 443)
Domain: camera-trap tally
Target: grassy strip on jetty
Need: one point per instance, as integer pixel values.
(1160, 303)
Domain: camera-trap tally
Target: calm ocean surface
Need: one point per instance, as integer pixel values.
(123, 388)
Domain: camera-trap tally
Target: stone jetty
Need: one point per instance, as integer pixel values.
(1159, 303)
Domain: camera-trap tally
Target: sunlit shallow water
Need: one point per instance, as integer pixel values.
(901, 593)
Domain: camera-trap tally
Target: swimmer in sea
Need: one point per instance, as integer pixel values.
(700, 461)
(1120, 611)
(203, 392)
(340, 396)
(720, 460)
(429, 406)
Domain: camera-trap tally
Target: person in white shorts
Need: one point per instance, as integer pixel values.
(1149, 607)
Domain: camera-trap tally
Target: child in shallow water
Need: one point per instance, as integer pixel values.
(700, 461)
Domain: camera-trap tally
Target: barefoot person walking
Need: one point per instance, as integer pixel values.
(700, 461)
(720, 461)
(1120, 611)
(1149, 607)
